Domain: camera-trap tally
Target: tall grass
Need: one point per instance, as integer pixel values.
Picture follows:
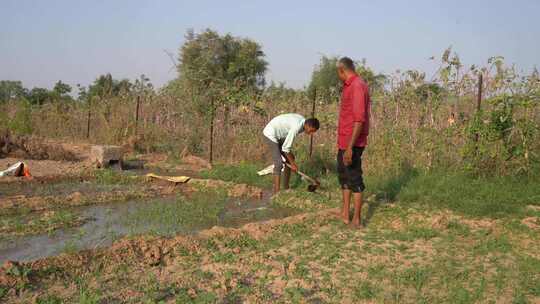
(495, 197)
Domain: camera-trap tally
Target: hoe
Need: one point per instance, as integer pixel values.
(314, 183)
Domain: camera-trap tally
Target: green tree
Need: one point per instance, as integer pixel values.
(326, 85)
(220, 71)
(375, 81)
(217, 67)
(61, 91)
(105, 86)
(12, 90)
(40, 96)
(143, 86)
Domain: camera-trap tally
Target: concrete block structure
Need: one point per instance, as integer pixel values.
(106, 156)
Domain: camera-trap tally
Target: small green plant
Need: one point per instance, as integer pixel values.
(111, 177)
(20, 271)
(85, 294)
(366, 291)
(49, 299)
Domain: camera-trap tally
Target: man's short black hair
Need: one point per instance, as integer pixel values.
(347, 63)
(313, 122)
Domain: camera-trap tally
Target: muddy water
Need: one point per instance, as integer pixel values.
(107, 223)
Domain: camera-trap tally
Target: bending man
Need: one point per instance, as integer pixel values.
(279, 134)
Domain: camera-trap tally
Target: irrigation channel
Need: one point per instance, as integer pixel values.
(108, 222)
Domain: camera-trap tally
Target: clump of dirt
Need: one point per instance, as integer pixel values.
(531, 222)
(440, 221)
(533, 207)
(196, 162)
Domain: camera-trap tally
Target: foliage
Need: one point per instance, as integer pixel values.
(12, 90)
(39, 96)
(375, 81)
(325, 84)
(21, 123)
(220, 69)
(61, 89)
(504, 137)
(105, 86)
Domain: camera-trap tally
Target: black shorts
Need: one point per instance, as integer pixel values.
(350, 177)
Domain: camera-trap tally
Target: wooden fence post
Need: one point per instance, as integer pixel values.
(312, 115)
(478, 107)
(211, 129)
(479, 99)
(88, 119)
(137, 115)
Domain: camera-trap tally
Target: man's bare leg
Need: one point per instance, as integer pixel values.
(356, 222)
(286, 177)
(277, 179)
(346, 205)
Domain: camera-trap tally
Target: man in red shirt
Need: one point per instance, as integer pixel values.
(353, 129)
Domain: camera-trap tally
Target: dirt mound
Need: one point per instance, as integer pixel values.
(30, 147)
(531, 222)
(196, 162)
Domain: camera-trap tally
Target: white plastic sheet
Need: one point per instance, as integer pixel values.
(16, 169)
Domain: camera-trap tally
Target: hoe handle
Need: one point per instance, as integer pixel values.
(311, 180)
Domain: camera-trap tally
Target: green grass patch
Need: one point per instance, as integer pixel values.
(34, 223)
(180, 215)
(366, 291)
(241, 173)
(494, 197)
(49, 299)
(458, 228)
(412, 234)
(493, 244)
(111, 177)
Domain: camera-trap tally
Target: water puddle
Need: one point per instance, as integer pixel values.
(164, 216)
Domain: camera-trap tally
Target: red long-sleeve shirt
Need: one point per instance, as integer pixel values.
(354, 107)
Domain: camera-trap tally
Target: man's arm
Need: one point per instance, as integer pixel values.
(286, 148)
(359, 116)
(290, 160)
(357, 130)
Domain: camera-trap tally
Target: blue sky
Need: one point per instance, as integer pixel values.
(75, 41)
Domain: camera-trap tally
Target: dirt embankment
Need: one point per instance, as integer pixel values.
(31, 147)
